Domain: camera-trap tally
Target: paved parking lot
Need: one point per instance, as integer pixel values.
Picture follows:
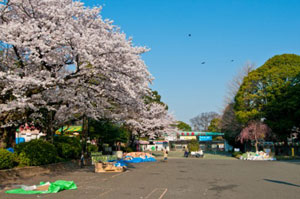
(181, 178)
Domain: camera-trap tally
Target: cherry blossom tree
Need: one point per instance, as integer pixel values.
(255, 131)
(153, 121)
(60, 56)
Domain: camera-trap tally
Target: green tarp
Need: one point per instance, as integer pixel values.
(54, 187)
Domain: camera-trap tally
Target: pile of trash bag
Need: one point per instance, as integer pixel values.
(257, 156)
(44, 187)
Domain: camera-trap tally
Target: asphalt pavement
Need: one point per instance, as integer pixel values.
(180, 178)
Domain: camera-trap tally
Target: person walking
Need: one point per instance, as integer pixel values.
(186, 152)
(165, 155)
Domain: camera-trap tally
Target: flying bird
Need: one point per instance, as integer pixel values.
(232, 60)
(203, 62)
(190, 35)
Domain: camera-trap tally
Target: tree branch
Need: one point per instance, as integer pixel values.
(18, 56)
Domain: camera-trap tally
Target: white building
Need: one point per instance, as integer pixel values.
(27, 133)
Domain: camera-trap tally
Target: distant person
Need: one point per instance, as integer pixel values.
(186, 152)
(82, 160)
(119, 146)
(156, 147)
(165, 155)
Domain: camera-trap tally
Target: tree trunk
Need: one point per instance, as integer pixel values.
(3, 140)
(8, 137)
(256, 146)
(83, 135)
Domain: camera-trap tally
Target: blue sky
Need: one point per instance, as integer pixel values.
(221, 31)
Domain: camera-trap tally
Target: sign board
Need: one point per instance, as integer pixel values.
(236, 149)
(221, 146)
(188, 137)
(160, 142)
(186, 133)
(205, 138)
(170, 138)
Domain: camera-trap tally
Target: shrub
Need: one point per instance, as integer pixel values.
(23, 160)
(36, 152)
(7, 159)
(193, 145)
(68, 147)
(237, 154)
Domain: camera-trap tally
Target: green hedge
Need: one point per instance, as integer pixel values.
(36, 152)
(7, 159)
(237, 154)
(68, 147)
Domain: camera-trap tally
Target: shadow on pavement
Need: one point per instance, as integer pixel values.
(157, 153)
(282, 182)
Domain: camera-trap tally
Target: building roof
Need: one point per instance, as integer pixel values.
(195, 133)
(69, 129)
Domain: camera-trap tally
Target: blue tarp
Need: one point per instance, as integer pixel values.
(11, 150)
(123, 162)
(119, 163)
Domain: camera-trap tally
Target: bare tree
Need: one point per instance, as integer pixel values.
(229, 122)
(228, 119)
(202, 121)
(236, 82)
